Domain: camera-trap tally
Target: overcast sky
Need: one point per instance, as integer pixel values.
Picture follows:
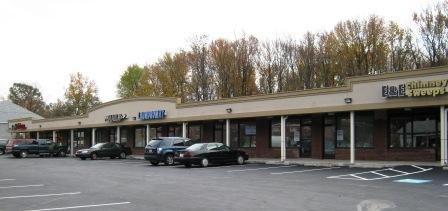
(43, 41)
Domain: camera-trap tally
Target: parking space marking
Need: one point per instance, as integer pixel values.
(82, 206)
(1, 180)
(358, 176)
(302, 171)
(21, 186)
(256, 169)
(41, 195)
(445, 184)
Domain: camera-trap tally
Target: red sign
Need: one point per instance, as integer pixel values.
(18, 126)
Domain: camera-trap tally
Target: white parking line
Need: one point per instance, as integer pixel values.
(358, 176)
(301, 171)
(445, 184)
(42, 195)
(21, 186)
(276, 167)
(83, 206)
(1, 180)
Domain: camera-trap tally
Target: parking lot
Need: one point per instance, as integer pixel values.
(72, 184)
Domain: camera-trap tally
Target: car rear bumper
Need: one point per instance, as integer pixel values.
(153, 157)
(83, 155)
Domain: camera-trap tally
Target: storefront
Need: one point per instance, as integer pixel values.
(394, 116)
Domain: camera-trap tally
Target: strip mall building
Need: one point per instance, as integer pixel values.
(393, 116)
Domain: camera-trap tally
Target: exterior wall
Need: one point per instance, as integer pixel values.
(4, 131)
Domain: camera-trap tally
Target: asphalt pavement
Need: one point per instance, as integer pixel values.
(72, 184)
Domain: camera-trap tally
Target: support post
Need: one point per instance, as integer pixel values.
(37, 135)
(228, 132)
(184, 129)
(148, 134)
(72, 139)
(283, 138)
(352, 137)
(443, 136)
(54, 136)
(93, 136)
(118, 140)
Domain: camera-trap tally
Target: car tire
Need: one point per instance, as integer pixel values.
(122, 155)
(187, 165)
(62, 153)
(93, 156)
(154, 163)
(2, 151)
(169, 160)
(204, 162)
(16, 155)
(23, 154)
(240, 160)
(83, 158)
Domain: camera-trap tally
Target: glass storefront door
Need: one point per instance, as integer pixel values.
(329, 141)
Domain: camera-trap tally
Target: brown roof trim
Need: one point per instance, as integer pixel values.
(20, 119)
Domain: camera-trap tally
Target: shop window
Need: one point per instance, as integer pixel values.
(364, 130)
(124, 134)
(248, 131)
(219, 132)
(195, 133)
(174, 131)
(140, 137)
(342, 131)
(79, 140)
(413, 130)
(156, 132)
(296, 130)
(243, 134)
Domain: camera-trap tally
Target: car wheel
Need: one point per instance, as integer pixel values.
(154, 163)
(93, 156)
(23, 154)
(204, 162)
(169, 160)
(122, 155)
(187, 165)
(2, 151)
(240, 160)
(83, 158)
(62, 154)
(16, 155)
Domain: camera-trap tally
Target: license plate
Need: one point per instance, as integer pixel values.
(181, 155)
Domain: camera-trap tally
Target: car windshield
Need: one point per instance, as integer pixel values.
(160, 143)
(195, 147)
(154, 142)
(97, 146)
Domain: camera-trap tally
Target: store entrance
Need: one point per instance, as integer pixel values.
(329, 141)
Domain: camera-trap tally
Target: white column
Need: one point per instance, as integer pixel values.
(93, 136)
(37, 135)
(148, 134)
(283, 138)
(118, 140)
(352, 137)
(228, 132)
(443, 137)
(72, 139)
(54, 136)
(184, 129)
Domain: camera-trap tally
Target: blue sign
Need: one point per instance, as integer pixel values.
(156, 114)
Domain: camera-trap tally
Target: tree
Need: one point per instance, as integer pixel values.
(81, 94)
(432, 24)
(129, 83)
(202, 87)
(28, 97)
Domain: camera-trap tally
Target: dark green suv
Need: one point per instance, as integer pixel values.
(3, 143)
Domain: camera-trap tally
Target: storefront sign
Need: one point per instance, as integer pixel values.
(116, 118)
(156, 114)
(18, 126)
(416, 89)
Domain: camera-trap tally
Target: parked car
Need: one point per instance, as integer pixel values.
(163, 149)
(12, 142)
(204, 154)
(3, 143)
(39, 147)
(110, 149)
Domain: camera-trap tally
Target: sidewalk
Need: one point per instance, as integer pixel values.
(328, 162)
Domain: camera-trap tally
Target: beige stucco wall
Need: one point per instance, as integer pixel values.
(365, 92)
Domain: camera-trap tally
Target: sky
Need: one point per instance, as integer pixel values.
(43, 41)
